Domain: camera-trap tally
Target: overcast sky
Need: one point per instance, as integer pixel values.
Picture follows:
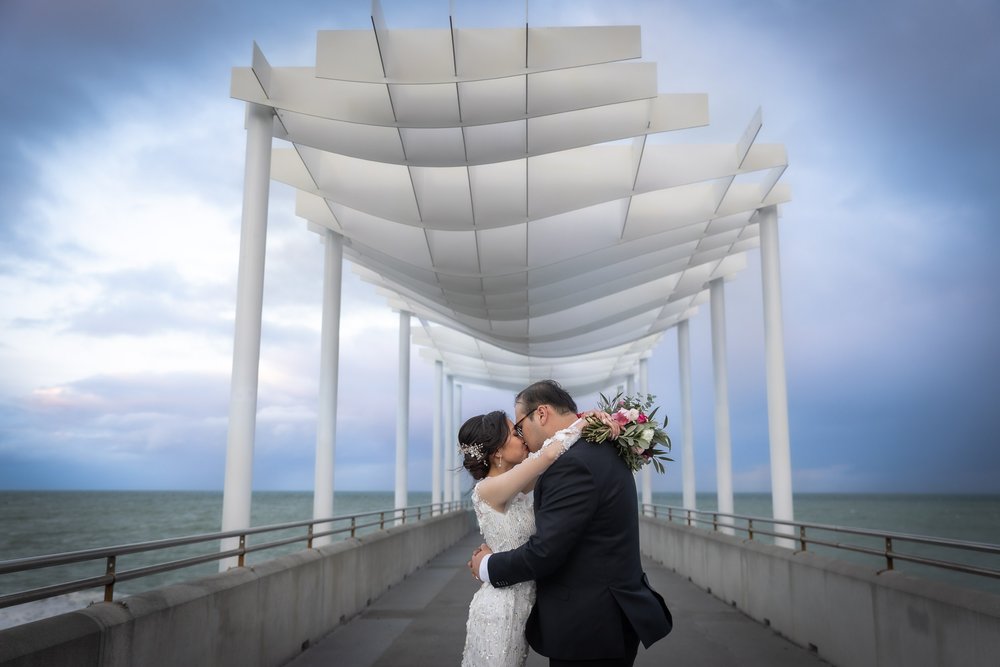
(121, 163)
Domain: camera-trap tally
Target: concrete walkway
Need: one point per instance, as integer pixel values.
(421, 623)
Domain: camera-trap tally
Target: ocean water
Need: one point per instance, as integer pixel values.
(36, 523)
(971, 518)
(44, 522)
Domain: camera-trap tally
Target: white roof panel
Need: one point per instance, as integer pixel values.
(489, 53)
(498, 184)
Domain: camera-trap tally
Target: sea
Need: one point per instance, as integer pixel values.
(35, 523)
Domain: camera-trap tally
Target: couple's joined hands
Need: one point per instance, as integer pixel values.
(477, 559)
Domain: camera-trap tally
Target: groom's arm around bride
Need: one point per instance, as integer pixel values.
(593, 600)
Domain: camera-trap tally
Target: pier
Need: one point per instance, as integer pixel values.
(400, 595)
(421, 623)
(505, 191)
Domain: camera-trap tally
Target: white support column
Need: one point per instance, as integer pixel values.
(647, 473)
(450, 438)
(246, 337)
(723, 438)
(777, 388)
(456, 479)
(329, 363)
(436, 464)
(687, 414)
(402, 410)
(628, 390)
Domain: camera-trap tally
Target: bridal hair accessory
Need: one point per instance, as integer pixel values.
(474, 450)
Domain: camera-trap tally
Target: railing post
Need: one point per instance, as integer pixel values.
(750, 528)
(243, 549)
(309, 542)
(689, 517)
(354, 525)
(656, 514)
(715, 521)
(802, 537)
(670, 514)
(109, 588)
(888, 553)
(381, 520)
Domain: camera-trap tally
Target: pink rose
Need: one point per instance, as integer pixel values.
(642, 418)
(621, 417)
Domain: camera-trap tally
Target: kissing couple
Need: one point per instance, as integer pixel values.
(560, 568)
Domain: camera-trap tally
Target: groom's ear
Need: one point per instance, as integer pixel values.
(543, 414)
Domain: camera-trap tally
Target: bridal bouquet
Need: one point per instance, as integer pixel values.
(640, 433)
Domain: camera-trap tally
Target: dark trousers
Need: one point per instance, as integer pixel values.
(631, 649)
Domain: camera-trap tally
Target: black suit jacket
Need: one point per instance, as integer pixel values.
(584, 556)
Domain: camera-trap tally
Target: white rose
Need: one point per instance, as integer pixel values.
(633, 415)
(647, 435)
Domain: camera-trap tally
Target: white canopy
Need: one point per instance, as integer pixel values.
(500, 185)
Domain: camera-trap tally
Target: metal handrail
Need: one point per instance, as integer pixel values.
(111, 554)
(693, 517)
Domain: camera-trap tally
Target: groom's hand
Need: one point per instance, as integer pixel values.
(477, 558)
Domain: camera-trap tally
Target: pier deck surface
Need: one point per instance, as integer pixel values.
(420, 622)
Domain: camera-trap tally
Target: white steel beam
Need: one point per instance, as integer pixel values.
(457, 478)
(723, 438)
(246, 338)
(777, 388)
(452, 459)
(647, 474)
(687, 414)
(436, 460)
(403, 411)
(329, 364)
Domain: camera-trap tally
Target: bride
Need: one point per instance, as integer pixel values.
(505, 470)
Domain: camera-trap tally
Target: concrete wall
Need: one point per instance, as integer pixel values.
(260, 615)
(852, 615)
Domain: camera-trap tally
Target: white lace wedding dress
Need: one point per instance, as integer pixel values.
(494, 633)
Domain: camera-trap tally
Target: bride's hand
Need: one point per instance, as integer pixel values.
(616, 428)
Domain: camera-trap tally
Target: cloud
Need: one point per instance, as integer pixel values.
(120, 196)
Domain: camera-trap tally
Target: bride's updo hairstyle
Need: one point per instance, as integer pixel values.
(479, 438)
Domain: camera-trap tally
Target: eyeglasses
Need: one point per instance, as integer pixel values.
(518, 431)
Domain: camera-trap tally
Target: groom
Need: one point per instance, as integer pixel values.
(594, 603)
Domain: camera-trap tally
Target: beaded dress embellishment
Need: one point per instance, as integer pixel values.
(497, 616)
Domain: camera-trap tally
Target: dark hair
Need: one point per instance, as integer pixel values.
(546, 392)
(490, 432)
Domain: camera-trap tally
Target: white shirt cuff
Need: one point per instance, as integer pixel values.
(484, 572)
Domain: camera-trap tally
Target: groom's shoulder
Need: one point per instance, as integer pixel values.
(592, 451)
(581, 453)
